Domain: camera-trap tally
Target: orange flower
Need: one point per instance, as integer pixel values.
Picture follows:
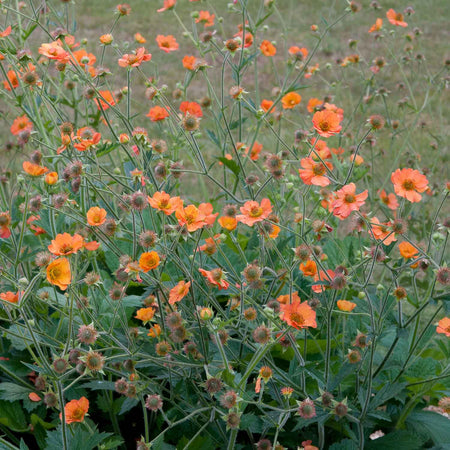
(105, 100)
(205, 18)
(135, 59)
(408, 183)
(139, 38)
(189, 62)
(51, 178)
(380, 231)
(75, 410)
(106, 39)
(345, 305)
(290, 100)
(323, 277)
(22, 123)
(149, 261)
(145, 314)
(87, 137)
(6, 32)
(326, 123)
(168, 4)
(314, 104)
(5, 222)
(215, 277)
(192, 108)
(396, 18)
(309, 268)
(54, 51)
(267, 48)
(83, 58)
(179, 291)
(267, 106)
(167, 43)
(165, 203)
(154, 331)
(35, 170)
(195, 218)
(11, 297)
(376, 26)
(37, 230)
(390, 200)
(300, 53)
(345, 201)
(314, 172)
(298, 315)
(59, 274)
(65, 244)
(12, 81)
(320, 149)
(157, 113)
(287, 298)
(253, 212)
(34, 397)
(227, 222)
(96, 216)
(407, 250)
(444, 326)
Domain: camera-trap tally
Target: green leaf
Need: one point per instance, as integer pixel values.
(397, 440)
(431, 425)
(230, 164)
(385, 393)
(12, 392)
(12, 416)
(346, 444)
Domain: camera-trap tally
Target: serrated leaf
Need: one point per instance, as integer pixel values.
(430, 424)
(230, 164)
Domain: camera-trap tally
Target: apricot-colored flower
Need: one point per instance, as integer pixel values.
(228, 222)
(149, 261)
(106, 39)
(444, 326)
(86, 138)
(320, 149)
(323, 277)
(205, 18)
(314, 172)
(145, 314)
(22, 123)
(345, 305)
(376, 26)
(37, 230)
(157, 113)
(407, 250)
(189, 62)
(396, 18)
(51, 178)
(253, 212)
(168, 4)
(298, 315)
(267, 106)
(54, 50)
(5, 222)
(299, 52)
(59, 274)
(381, 231)
(135, 59)
(96, 216)
(314, 104)
(75, 410)
(408, 183)
(83, 58)
(215, 277)
(35, 170)
(192, 108)
(139, 38)
(165, 203)
(326, 123)
(167, 43)
(287, 298)
(345, 201)
(179, 291)
(12, 82)
(6, 32)
(390, 200)
(34, 397)
(267, 48)
(11, 297)
(290, 100)
(65, 244)
(105, 100)
(309, 268)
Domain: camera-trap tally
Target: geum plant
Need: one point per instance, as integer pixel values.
(238, 272)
